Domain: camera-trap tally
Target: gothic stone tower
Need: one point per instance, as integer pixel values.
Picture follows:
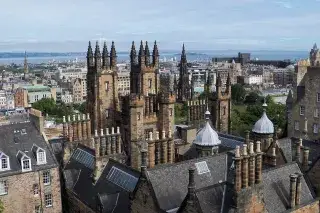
(147, 112)
(102, 92)
(220, 106)
(184, 84)
(25, 67)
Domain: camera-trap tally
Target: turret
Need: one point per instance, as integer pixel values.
(90, 62)
(155, 54)
(105, 57)
(97, 57)
(141, 57)
(113, 56)
(147, 54)
(133, 54)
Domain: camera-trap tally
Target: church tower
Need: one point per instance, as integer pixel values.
(102, 94)
(184, 86)
(25, 67)
(220, 106)
(315, 56)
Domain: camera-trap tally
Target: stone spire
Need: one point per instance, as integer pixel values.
(105, 56)
(90, 55)
(26, 68)
(97, 56)
(183, 55)
(113, 55)
(315, 47)
(147, 54)
(141, 57)
(133, 54)
(155, 53)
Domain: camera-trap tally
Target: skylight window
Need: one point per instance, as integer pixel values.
(202, 167)
(122, 179)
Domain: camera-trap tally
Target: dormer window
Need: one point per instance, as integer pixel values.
(40, 154)
(25, 161)
(4, 164)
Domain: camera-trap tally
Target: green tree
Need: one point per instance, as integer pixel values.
(238, 93)
(252, 98)
(1, 206)
(45, 105)
(80, 107)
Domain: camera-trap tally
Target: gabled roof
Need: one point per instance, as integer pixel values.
(13, 140)
(169, 182)
(108, 191)
(276, 188)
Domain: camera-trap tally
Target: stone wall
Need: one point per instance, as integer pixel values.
(21, 198)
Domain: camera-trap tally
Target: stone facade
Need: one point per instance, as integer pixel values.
(303, 104)
(21, 195)
(21, 98)
(146, 109)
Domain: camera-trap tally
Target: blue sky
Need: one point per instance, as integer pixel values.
(67, 25)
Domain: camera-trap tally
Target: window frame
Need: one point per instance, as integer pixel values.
(4, 187)
(42, 152)
(46, 177)
(35, 189)
(50, 200)
(316, 113)
(6, 158)
(315, 126)
(318, 97)
(29, 164)
(302, 110)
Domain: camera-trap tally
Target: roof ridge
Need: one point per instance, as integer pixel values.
(161, 166)
(281, 166)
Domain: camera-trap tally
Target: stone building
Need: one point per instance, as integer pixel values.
(303, 103)
(29, 173)
(21, 98)
(145, 115)
(258, 177)
(77, 90)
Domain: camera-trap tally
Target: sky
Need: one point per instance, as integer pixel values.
(68, 25)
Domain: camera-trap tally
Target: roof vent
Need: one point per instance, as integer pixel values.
(23, 132)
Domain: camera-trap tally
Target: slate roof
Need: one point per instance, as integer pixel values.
(78, 174)
(22, 137)
(169, 182)
(276, 188)
(285, 146)
(314, 147)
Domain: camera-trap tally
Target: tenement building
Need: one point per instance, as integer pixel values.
(303, 103)
(29, 173)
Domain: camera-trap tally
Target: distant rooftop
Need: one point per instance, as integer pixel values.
(35, 88)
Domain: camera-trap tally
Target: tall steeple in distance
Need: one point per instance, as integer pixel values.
(147, 54)
(141, 57)
(90, 62)
(105, 57)
(183, 55)
(97, 58)
(113, 56)
(25, 67)
(133, 54)
(155, 54)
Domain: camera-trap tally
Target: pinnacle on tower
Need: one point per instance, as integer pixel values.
(155, 49)
(141, 54)
(315, 47)
(97, 53)
(113, 55)
(219, 81)
(133, 53)
(147, 54)
(183, 54)
(90, 55)
(228, 80)
(105, 56)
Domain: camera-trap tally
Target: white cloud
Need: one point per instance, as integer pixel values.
(284, 4)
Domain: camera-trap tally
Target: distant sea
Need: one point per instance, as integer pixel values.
(37, 58)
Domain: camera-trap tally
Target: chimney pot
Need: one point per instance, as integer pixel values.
(150, 136)
(251, 148)
(273, 151)
(258, 150)
(101, 132)
(88, 116)
(169, 133)
(293, 186)
(107, 131)
(163, 134)
(118, 130)
(245, 150)
(79, 117)
(96, 133)
(157, 135)
(83, 117)
(237, 153)
(64, 119)
(112, 130)
(74, 117)
(69, 118)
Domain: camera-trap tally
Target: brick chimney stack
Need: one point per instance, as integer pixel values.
(143, 164)
(79, 127)
(65, 127)
(258, 163)
(70, 128)
(151, 151)
(298, 150)
(293, 188)
(75, 128)
(298, 190)
(238, 170)
(97, 143)
(245, 171)
(252, 165)
(274, 157)
(305, 159)
(84, 127)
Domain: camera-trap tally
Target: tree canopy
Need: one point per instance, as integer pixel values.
(238, 93)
